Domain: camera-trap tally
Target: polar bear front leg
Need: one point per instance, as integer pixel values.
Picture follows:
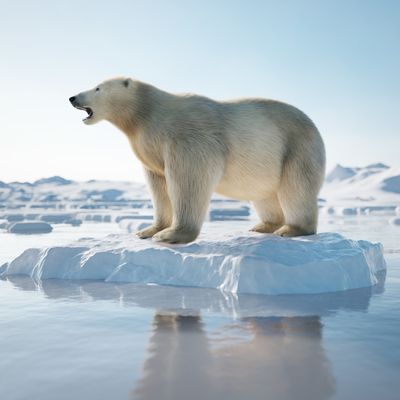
(190, 192)
(161, 204)
(270, 213)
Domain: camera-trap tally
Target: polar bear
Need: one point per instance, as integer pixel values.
(261, 150)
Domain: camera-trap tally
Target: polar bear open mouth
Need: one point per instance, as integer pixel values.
(88, 110)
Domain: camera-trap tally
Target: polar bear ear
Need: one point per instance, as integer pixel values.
(127, 82)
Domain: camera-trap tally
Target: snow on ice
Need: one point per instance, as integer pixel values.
(235, 262)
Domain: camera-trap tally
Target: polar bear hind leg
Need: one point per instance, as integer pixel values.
(300, 211)
(302, 178)
(294, 210)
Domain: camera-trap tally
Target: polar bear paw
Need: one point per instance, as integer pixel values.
(175, 236)
(148, 232)
(291, 230)
(265, 227)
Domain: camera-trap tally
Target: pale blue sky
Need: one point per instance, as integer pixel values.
(338, 61)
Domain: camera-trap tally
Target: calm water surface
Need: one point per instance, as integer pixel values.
(94, 340)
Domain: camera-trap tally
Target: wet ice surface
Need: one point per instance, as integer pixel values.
(89, 339)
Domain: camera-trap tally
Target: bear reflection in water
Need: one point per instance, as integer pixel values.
(208, 344)
(252, 358)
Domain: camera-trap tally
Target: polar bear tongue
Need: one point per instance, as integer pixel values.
(89, 111)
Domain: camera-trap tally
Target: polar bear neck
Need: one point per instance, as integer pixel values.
(135, 109)
(142, 115)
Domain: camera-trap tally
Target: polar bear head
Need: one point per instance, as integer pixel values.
(105, 101)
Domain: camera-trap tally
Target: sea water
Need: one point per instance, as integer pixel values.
(94, 340)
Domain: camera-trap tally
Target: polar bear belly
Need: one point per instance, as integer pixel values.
(250, 182)
(254, 164)
(252, 179)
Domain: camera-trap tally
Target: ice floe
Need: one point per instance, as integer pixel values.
(29, 227)
(73, 222)
(395, 221)
(228, 211)
(236, 262)
(55, 218)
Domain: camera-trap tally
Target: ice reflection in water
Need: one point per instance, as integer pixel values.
(205, 344)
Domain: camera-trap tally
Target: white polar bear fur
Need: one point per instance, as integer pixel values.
(190, 146)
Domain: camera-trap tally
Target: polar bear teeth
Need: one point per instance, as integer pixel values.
(89, 111)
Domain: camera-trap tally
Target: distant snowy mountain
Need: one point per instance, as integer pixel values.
(375, 184)
(55, 179)
(341, 173)
(59, 190)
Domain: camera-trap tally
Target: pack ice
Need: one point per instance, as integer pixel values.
(237, 262)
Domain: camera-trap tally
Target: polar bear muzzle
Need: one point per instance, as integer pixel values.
(76, 104)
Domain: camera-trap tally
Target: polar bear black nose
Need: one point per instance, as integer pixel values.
(71, 99)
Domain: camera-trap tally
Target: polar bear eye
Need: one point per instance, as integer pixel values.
(97, 89)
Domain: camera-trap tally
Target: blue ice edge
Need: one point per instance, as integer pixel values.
(239, 262)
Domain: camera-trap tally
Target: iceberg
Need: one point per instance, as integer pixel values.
(238, 262)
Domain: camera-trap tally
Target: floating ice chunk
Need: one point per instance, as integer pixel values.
(356, 210)
(31, 217)
(237, 213)
(224, 209)
(237, 262)
(395, 221)
(122, 217)
(133, 226)
(346, 211)
(55, 218)
(29, 227)
(15, 217)
(73, 222)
